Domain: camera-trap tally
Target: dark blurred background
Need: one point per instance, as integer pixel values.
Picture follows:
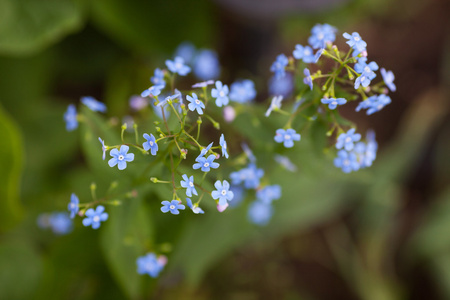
(380, 234)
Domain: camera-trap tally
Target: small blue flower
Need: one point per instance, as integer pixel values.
(274, 105)
(318, 54)
(250, 176)
(346, 140)
(269, 193)
(347, 161)
(204, 151)
(285, 162)
(153, 91)
(195, 104)
(172, 206)
(203, 84)
(150, 265)
(223, 143)
(178, 66)
(188, 184)
(103, 147)
(248, 152)
(158, 77)
(206, 163)
(308, 79)
(238, 192)
(281, 86)
(94, 217)
(333, 102)
(388, 78)
(321, 34)
(93, 104)
(366, 71)
(206, 65)
(194, 207)
(279, 65)
(374, 103)
(186, 50)
(222, 192)
(260, 213)
(121, 157)
(242, 91)
(150, 143)
(355, 41)
(73, 205)
(304, 53)
(59, 222)
(70, 117)
(287, 137)
(138, 102)
(220, 93)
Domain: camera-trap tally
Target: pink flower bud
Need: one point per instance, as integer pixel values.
(229, 114)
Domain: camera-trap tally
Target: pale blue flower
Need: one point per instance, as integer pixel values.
(275, 104)
(93, 104)
(188, 184)
(260, 213)
(150, 264)
(223, 144)
(287, 137)
(206, 65)
(355, 41)
(222, 192)
(70, 117)
(195, 103)
(388, 78)
(150, 143)
(94, 217)
(220, 93)
(120, 157)
(346, 140)
(194, 207)
(321, 34)
(279, 65)
(73, 205)
(333, 102)
(206, 163)
(242, 91)
(178, 66)
(172, 206)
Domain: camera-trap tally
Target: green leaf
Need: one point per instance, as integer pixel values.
(27, 26)
(11, 155)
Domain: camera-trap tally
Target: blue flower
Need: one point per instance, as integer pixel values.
(195, 104)
(304, 53)
(322, 34)
(308, 79)
(374, 103)
(238, 193)
(242, 91)
(318, 54)
(355, 41)
(347, 161)
(279, 65)
(153, 91)
(275, 104)
(285, 162)
(346, 140)
(250, 176)
(281, 86)
(70, 117)
(248, 152)
(172, 206)
(366, 71)
(203, 84)
(388, 78)
(222, 192)
(206, 65)
(204, 151)
(73, 205)
(186, 50)
(94, 217)
(138, 102)
(59, 222)
(188, 184)
(158, 77)
(269, 193)
(103, 147)
(370, 150)
(206, 163)
(93, 104)
(260, 213)
(220, 93)
(178, 66)
(223, 143)
(121, 157)
(150, 143)
(333, 102)
(150, 265)
(287, 137)
(194, 207)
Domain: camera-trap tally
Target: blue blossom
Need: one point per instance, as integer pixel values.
(104, 148)
(304, 53)
(194, 207)
(150, 143)
(158, 77)
(248, 152)
(322, 34)
(347, 161)
(94, 217)
(186, 50)
(60, 223)
(308, 79)
(220, 93)
(346, 140)
(93, 104)
(188, 184)
(238, 192)
(260, 213)
(366, 71)
(206, 163)
(138, 102)
(206, 65)
(333, 102)
(281, 86)
(229, 114)
(371, 149)
(178, 66)
(318, 54)
(195, 103)
(242, 91)
(269, 193)
(150, 264)
(355, 41)
(374, 103)
(285, 162)
(279, 65)
(70, 117)
(388, 78)
(203, 84)
(223, 143)
(204, 151)
(287, 137)
(250, 176)
(222, 192)
(153, 91)
(275, 104)
(120, 157)
(172, 206)
(73, 205)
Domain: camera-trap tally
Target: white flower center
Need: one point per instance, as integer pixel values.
(224, 192)
(287, 137)
(172, 206)
(121, 157)
(307, 52)
(178, 65)
(380, 106)
(320, 36)
(334, 103)
(356, 38)
(151, 143)
(224, 146)
(222, 94)
(191, 184)
(348, 139)
(346, 162)
(96, 219)
(367, 69)
(197, 101)
(206, 164)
